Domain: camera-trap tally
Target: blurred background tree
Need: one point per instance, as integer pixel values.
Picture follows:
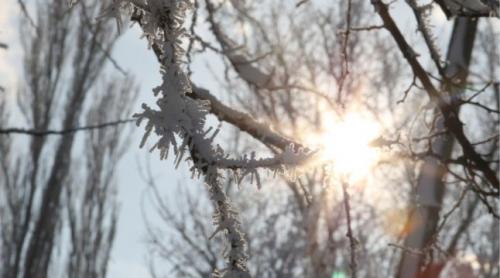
(57, 192)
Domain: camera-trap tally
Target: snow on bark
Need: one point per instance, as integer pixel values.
(179, 122)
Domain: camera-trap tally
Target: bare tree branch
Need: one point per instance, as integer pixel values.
(448, 109)
(26, 14)
(34, 132)
(350, 235)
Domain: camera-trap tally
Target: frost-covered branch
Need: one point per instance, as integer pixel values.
(243, 121)
(179, 121)
(226, 220)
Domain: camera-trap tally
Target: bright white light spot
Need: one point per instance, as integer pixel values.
(470, 259)
(346, 143)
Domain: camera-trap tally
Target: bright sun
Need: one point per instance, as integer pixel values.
(346, 143)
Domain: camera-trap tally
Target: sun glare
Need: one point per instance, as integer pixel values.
(346, 143)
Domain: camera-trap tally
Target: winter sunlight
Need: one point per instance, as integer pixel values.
(345, 141)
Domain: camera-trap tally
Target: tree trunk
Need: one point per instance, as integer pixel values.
(427, 203)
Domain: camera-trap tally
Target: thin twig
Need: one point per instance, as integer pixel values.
(489, 139)
(194, 19)
(407, 91)
(427, 35)
(104, 49)
(300, 3)
(479, 91)
(450, 212)
(482, 106)
(412, 251)
(367, 28)
(345, 69)
(34, 132)
(26, 13)
(352, 240)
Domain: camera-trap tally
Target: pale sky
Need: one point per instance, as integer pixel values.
(129, 253)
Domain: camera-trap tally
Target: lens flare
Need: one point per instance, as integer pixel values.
(346, 141)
